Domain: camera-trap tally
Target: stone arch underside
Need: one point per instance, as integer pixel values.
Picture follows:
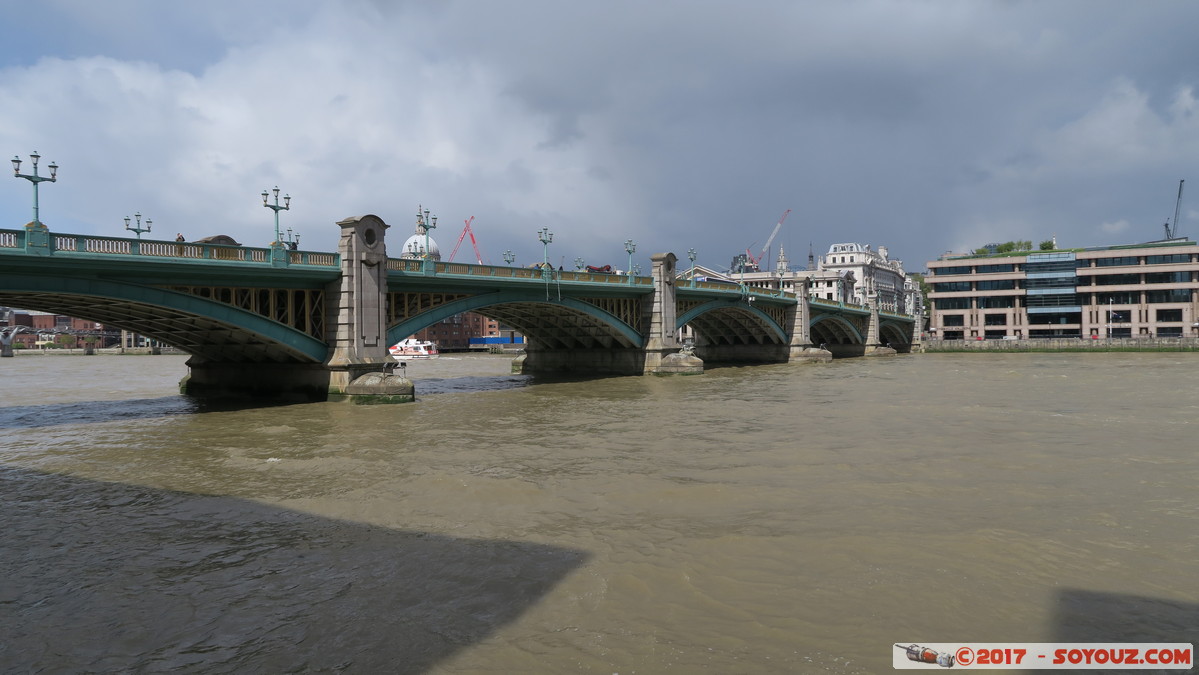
(207, 329)
(723, 324)
(565, 324)
(834, 330)
(895, 334)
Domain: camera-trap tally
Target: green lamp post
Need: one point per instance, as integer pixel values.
(278, 255)
(630, 246)
(509, 257)
(424, 222)
(291, 241)
(35, 179)
(691, 257)
(545, 237)
(138, 229)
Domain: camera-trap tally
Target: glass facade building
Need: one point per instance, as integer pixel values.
(1139, 290)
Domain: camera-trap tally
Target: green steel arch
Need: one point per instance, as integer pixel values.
(772, 326)
(896, 331)
(838, 326)
(193, 324)
(482, 301)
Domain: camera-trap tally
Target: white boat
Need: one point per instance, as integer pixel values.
(413, 349)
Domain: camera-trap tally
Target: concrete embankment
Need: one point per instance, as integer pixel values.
(1064, 345)
(80, 351)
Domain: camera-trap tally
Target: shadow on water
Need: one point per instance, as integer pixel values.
(90, 412)
(1091, 616)
(446, 385)
(105, 577)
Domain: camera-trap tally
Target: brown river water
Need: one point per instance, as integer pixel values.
(770, 519)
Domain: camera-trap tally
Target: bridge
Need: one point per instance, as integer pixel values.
(273, 320)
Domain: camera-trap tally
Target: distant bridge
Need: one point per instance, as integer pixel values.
(272, 319)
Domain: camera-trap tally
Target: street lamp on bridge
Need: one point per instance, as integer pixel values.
(278, 257)
(291, 241)
(545, 237)
(630, 246)
(509, 257)
(35, 179)
(138, 230)
(579, 264)
(424, 222)
(691, 257)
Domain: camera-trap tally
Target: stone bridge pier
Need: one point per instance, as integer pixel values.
(357, 366)
(801, 347)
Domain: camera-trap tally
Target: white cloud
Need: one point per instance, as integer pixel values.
(913, 126)
(1117, 227)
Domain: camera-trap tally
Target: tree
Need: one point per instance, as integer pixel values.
(924, 289)
(1047, 245)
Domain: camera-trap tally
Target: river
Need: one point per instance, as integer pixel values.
(784, 518)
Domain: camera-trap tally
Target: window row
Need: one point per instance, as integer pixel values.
(1066, 300)
(1055, 265)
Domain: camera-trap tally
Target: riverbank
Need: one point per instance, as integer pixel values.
(133, 351)
(1064, 345)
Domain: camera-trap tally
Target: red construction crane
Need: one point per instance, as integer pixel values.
(465, 231)
(755, 261)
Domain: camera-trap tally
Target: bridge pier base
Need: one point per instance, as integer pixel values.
(672, 362)
(809, 354)
(580, 361)
(306, 382)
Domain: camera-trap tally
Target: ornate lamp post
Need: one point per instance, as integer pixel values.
(278, 257)
(691, 257)
(426, 223)
(291, 241)
(138, 230)
(545, 237)
(579, 264)
(630, 246)
(509, 257)
(35, 179)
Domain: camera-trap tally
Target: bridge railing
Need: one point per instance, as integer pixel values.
(149, 248)
(836, 303)
(862, 308)
(533, 273)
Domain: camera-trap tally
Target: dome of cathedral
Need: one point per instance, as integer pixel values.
(414, 247)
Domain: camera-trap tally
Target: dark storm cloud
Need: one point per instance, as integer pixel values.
(920, 126)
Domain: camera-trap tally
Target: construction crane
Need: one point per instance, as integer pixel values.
(1172, 229)
(465, 231)
(755, 263)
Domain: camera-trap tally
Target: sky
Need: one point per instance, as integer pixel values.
(922, 126)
